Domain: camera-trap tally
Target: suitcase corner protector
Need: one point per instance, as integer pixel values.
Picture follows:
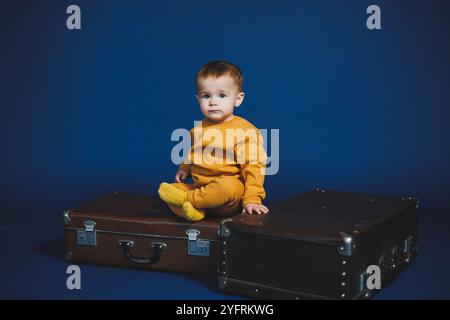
(66, 216)
(68, 256)
(224, 231)
(347, 245)
(222, 281)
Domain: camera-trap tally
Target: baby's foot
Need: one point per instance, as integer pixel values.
(171, 194)
(191, 213)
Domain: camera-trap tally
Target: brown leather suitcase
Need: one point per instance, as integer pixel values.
(130, 230)
(319, 245)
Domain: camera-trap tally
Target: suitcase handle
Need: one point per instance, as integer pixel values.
(156, 247)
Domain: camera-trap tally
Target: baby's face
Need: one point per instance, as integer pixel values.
(218, 97)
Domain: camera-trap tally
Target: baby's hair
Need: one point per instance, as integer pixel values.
(220, 68)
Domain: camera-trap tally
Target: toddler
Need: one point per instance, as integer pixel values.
(227, 158)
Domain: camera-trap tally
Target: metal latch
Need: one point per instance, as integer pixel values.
(88, 236)
(192, 234)
(197, 247)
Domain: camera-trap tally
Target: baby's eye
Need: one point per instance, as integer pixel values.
(222, 95)
(205, 96)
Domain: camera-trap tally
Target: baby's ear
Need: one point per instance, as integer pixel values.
(239, 99)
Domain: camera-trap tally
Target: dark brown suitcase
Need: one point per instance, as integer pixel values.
(318, 245)
(129, 230)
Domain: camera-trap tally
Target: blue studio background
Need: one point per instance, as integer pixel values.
(91, 111)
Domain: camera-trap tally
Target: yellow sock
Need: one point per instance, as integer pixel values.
(191, 213)
(171, 194)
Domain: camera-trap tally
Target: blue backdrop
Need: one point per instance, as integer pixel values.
(89, 111)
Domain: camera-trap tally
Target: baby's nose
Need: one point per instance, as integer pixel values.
(213, 101)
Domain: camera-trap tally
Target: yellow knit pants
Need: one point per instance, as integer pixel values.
(222, 196)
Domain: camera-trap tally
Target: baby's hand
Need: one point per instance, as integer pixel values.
(255, 208)
(181, 175)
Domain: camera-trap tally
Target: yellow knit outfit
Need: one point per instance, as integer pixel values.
(223, 181)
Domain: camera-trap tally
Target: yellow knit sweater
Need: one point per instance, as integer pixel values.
(232, 148)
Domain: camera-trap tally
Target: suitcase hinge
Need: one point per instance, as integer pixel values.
(347, 246)
(195, 246)
(88, 236)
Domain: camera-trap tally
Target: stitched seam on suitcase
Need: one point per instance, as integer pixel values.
(128, 220)
(140, 234)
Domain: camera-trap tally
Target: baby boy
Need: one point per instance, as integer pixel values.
(227, 158)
